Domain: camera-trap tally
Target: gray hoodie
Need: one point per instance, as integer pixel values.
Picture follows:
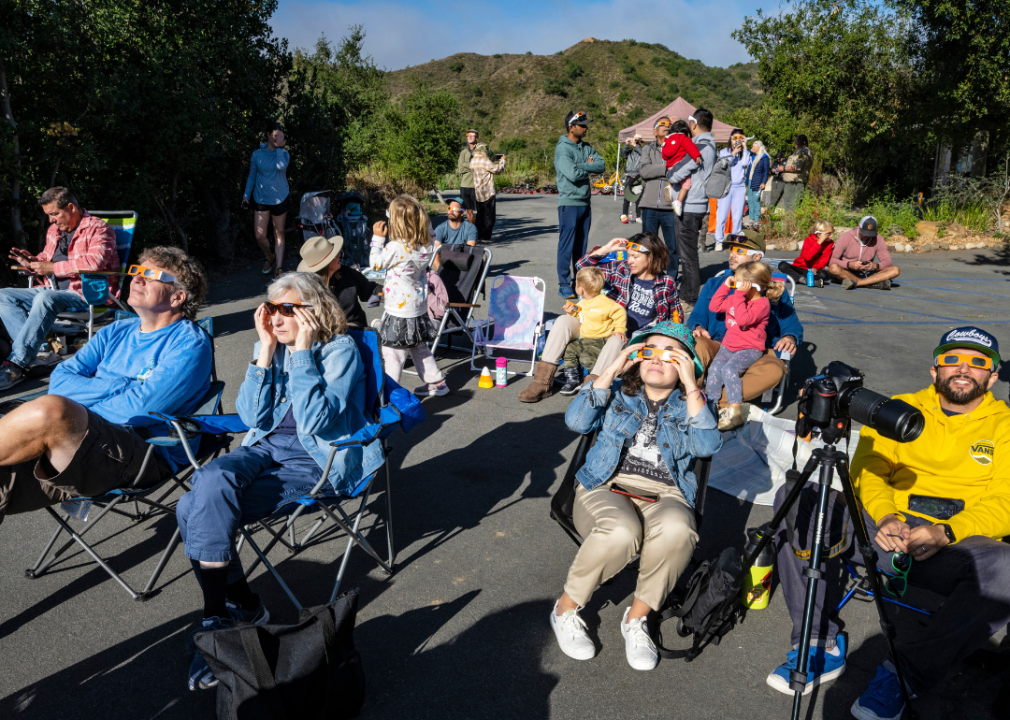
(653, 171)
(697, 200)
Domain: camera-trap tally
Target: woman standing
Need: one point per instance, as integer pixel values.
(268, 187)
(732, 204)
(757, 178)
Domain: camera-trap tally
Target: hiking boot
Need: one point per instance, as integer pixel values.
(821, 667)
(882, 285)
(678, 207)
(849, 284)
(638, 646)
(258, 615)
(200, 675)
(572, 634)
(730, 419)
(435, 389)
(10, 375)
(624, 219)
(572, 381)
(882, 700)
(540, 386)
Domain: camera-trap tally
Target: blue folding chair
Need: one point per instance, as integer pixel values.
(389, 406)
(153, 499)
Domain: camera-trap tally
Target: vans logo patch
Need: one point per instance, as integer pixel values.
(983, 452)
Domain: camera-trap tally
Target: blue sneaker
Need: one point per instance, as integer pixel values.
(566, 292)
(882, 700)
(200, 675)
(821, 667)
(257, 616)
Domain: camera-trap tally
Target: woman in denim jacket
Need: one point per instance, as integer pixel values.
(636, 490)
(305, 390)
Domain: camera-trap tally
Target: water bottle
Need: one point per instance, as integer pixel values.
(501, 372)
(810, 278)
(757, 585)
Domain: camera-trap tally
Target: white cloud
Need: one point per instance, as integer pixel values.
(401, 34)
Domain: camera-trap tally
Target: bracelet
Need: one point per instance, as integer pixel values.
(704, 397)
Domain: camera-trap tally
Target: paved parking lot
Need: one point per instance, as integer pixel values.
(460, 630)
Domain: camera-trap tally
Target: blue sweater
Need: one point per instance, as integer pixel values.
(783, 320)
(760, 173)
(571, 162)
(267, 183)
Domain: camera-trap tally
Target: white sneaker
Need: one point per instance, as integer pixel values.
(678, 207)
(718, 247)
(572, 635)
(638, 220)
(642, 654)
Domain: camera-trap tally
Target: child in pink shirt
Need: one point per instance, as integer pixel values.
(678, 149)
(744, 299)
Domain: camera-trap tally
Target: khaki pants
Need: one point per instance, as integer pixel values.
(616, 528)
(763, 375)
(566, 328)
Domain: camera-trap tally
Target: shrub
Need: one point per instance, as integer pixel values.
(635, 114)
(511, 145)
(623, 97)
(638, 78)
(457, 67)
(496, 55)
(572, 70)
(519, 72)
(556, 87)
(612, 110)
(614, 84)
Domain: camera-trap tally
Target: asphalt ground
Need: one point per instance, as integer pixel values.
(461, 629)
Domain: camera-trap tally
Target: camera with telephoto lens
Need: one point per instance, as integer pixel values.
(779, 166)
(829, 400)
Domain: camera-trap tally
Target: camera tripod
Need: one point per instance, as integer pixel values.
(827, 460)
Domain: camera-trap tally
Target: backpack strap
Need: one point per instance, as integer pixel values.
(670, 612)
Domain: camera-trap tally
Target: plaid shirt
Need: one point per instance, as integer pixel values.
(483, 175)
(93, 248)
(619, 280)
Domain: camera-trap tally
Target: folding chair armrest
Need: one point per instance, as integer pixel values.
(785, 356)
(462, 305)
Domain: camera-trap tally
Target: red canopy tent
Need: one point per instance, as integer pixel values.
(679, 108)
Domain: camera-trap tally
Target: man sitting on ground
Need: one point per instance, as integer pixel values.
(70, 443)
(457, 230)
(784, 330)
(942, 501)
(76, 242)
(860, 258)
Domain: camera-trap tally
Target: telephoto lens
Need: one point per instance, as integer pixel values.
(894, 419)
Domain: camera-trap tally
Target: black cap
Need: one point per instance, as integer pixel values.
(868, 226)
(576, 117)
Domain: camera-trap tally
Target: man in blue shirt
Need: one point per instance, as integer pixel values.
(457, 230)
(785, 332)
(71, 443)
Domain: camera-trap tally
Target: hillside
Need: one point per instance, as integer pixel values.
(521, 100)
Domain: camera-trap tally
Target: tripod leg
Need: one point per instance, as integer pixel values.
(767, 531)
(869, 554)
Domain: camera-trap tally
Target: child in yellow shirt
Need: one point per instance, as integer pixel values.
(601, 317)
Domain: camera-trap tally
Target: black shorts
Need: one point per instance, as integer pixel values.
(468, 198)
(275, 210)
(109, 457)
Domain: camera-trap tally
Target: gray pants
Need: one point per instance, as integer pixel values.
(973, 574)
(726, 371)
(786, 194)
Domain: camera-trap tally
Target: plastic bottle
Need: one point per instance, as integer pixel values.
(485, 379)
(810, 278)
(501, 372)
(755, 592)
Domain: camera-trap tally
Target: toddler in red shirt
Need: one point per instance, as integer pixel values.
(677, 150)
(815, 255)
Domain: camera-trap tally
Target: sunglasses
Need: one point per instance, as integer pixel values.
(662, 123)
(732, 283)
(637, 248)
(738, 250)
(285, 309)
(649, 352)
(974, 361)
(897, 583)
(150, 274)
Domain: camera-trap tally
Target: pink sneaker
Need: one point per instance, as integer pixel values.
(437, 389)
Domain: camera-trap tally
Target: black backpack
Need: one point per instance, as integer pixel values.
(709, 607)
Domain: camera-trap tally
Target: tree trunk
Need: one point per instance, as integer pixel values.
(16, 225)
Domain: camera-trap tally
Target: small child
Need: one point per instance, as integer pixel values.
(815, 255)
(747, 311)
(677, 150)
(601, 317)
(405, 326)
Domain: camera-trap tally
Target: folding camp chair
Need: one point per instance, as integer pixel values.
(861, 586)
(153, 499)
(389, 405)
(515, 319)
(463, 270)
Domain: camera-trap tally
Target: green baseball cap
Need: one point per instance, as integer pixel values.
(679, 333)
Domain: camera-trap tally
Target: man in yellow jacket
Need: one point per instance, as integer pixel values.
(942, 500)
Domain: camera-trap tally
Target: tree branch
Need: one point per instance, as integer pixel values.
(16, 226)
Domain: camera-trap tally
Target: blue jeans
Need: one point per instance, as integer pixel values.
(573, 233)
(28, 313)
(244, 486)
(754, 204)
(652, 220)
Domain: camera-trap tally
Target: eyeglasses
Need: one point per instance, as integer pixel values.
(732, 283)
(637, 248)
(649, 352)
(285, 309)
(897, 584)
(974, 361)
(151, 274)
(738, 250)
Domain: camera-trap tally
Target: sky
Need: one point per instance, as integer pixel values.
(411, 32)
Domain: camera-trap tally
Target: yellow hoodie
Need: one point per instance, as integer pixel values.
(966, 457)
(602, 317)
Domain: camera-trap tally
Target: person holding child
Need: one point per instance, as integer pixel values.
(601, 318)
(815, 255)
(680, 153)
(635, 494)
(405, 326)
(744, 299)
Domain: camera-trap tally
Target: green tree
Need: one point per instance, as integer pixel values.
(422, 135)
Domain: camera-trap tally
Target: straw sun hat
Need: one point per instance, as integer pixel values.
(317, 252)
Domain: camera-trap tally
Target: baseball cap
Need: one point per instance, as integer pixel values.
(748, 238)
(868, 226)
(576, 117)
(678, 332)
(454, 200)
(969, 337)
(471, 130)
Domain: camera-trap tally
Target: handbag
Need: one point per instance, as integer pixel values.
(306, 671)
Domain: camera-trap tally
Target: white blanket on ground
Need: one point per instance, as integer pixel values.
(753, 461)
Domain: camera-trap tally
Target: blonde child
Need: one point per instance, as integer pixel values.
(405, 326)
(601, 317)
(744, 298)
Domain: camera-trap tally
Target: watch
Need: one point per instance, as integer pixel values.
(948, 532)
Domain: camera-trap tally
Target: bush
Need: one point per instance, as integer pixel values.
(511, 145)
(572, 70)
(614, 84)
(426, 140)
(496, 55)
(893, 218)
(556, 87)
(635, 77)
(623, 97)
(635, 114)
(612, 110)
(457, 67)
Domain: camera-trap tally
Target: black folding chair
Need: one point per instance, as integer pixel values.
(463, 270)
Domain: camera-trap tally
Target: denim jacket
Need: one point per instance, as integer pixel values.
(680, 438)
(326, 388)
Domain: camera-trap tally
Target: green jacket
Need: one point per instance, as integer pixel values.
(463, 167)
(571, 163)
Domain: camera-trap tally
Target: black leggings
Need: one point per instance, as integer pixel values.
(624, 208)
(800, 275)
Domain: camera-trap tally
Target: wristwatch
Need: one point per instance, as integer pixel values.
(948, 532)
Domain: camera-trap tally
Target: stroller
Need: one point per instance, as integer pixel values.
(316, 217)
(354, 229)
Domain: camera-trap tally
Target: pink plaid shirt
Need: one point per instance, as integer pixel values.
(92, 248)
(484, 171)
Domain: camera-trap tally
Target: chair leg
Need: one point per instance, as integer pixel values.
(273, 571)
(162, 562)
(34, 571)
(780, 400)
(389, 513)
(41, 567)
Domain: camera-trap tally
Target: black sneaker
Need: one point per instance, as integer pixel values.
(882, 285)
(572, 381)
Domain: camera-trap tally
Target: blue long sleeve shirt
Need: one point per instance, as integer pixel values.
(267, 183)
(782, 322)
(571, 162)
(761, 172)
